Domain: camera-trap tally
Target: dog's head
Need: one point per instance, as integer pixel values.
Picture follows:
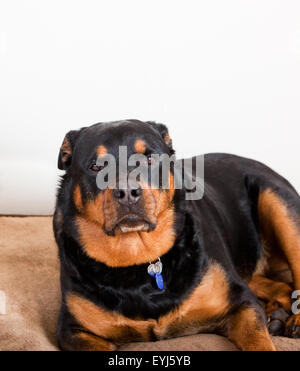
(122, 208)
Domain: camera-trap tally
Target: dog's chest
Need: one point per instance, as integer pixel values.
(197, 313)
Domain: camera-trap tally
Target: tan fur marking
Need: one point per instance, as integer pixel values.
(208, 301)
(107, 324)
(101, 150)
(66, 150)
(163, 198)
(77, 198)
(128, 248)
(167, 139)
(272, 292)
(88, 342)
(292, 322)
(172, 186)
(279, 227)
(273, 262)
(261, 266)
(132, 247)
(140, 146)
(248, 332)
(66, 146)
(93, 210)
(110, 209)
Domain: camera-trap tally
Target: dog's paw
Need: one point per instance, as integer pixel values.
(277, 322)
(292, 329)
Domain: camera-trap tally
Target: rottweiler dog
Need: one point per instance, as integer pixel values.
(144, 263)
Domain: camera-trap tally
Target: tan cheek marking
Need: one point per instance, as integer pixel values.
(208, 300)
(149, 204)
(172, 186)
(101, 150)
(77, 198)
(124, 249)
(94, 210)
(130, 248)
(102, 210)
(108, 324)
(140, 146)
(110, 209)
(162, 198)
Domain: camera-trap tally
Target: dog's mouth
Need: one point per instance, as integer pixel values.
(131, 223)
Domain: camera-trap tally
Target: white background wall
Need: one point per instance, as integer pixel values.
(223, 75)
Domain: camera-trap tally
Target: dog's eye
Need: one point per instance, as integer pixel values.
(95, 167)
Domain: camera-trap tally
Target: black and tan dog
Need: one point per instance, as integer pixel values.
(219, 254)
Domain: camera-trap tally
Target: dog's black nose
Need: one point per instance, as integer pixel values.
(127, 196)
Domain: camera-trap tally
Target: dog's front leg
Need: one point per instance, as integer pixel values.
(247, 329)
(82, 341)
(72, 336)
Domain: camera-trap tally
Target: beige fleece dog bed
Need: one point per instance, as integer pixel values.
(29, 277)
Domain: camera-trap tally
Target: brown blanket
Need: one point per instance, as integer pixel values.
(29, 276)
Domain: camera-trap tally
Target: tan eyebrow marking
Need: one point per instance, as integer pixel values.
(101, 150)
(140, 146)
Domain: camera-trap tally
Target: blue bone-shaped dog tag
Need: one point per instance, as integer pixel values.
(159, 281)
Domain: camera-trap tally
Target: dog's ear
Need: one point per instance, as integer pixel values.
(66, 149)
(164, 132)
